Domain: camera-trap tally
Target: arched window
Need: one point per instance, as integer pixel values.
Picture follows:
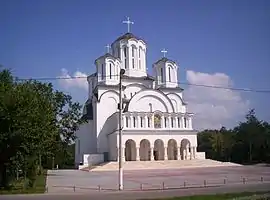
(169, 74)
(110, 71)
(150, 107)
(133, 56)
(161, 74)
(140, 62)
(157, 121)
(125, 56)
(102, 71)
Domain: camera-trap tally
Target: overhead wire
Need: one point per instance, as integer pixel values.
(178, 83)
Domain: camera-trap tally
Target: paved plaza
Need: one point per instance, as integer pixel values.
(63, 181)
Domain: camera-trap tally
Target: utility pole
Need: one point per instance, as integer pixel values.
(122, 72)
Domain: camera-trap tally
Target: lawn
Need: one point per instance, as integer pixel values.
(225, 196)
(18, 187)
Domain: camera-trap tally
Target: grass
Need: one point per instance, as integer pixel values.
(222, 196)
(18, 186)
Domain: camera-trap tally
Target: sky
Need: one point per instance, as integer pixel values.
(215, 42)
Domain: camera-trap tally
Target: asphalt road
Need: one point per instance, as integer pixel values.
(136, 195)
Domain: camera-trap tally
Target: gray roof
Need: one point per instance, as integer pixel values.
(107, 55)
(147, 77)
(88, 110)
(164, 59)
(128, 36)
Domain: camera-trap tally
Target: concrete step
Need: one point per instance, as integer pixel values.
(168, 164)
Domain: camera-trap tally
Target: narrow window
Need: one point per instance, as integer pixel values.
(178, 121)
(165, 122)
(139, 52)
(126, 121)
(133, 56)
(148, 121)
(161, 74)
(102, 71)
(172, 122)
(125, 56)
(134, 122)
(110, 71)
(141, 122)
(185, 122)
(169, 74)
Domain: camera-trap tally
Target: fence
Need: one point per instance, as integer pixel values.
(172, 184)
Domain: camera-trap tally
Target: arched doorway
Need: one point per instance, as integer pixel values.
(185, 149)
(145, 150)
(172, 149)
(159, 150)
(130, 150)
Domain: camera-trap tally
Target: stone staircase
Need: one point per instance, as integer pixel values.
(168, 164)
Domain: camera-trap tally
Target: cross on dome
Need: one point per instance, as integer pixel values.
(108, 47)
(128, 22)
(164, 51)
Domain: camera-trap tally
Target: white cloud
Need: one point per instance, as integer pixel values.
(79, 82)
(214, 107)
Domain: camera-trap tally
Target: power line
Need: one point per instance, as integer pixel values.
(179, 83)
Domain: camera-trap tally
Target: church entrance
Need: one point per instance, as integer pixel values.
(172, 149)
(159, 150)
(145, 150)
(130, 150)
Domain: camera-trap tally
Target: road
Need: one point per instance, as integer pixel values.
(136, 195)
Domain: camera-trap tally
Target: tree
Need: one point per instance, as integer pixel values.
(35, 122)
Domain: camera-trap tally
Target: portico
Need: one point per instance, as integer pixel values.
(162, 145)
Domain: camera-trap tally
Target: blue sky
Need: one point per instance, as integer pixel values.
(39, 37)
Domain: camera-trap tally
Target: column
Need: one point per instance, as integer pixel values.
(152, 121)
(152, 153)
(169, 122)
(124, 122)
(183, 122)
(162, 122)
(176, 122)
(187, 152)
(178, 153)
(139, 122)
(190, 122)
(131, 121)
(137, 153)
(165, 153)
(191, 153)
(195, 150)
(146, 121)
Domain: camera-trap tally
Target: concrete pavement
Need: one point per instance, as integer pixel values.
(151, 194)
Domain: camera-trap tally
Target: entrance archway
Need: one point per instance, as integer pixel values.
(159, 150)
(130, 150)
(172, 149)
(145, 150)
(185, 149)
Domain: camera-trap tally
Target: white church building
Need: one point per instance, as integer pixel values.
(155, 121)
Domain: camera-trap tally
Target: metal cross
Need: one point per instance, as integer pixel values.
(108, 48)
(128, 22)
(164, 52)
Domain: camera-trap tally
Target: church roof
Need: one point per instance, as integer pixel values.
(147, 77)
(164, 59)
(107, 55)
(128, 36)
(88, 110)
